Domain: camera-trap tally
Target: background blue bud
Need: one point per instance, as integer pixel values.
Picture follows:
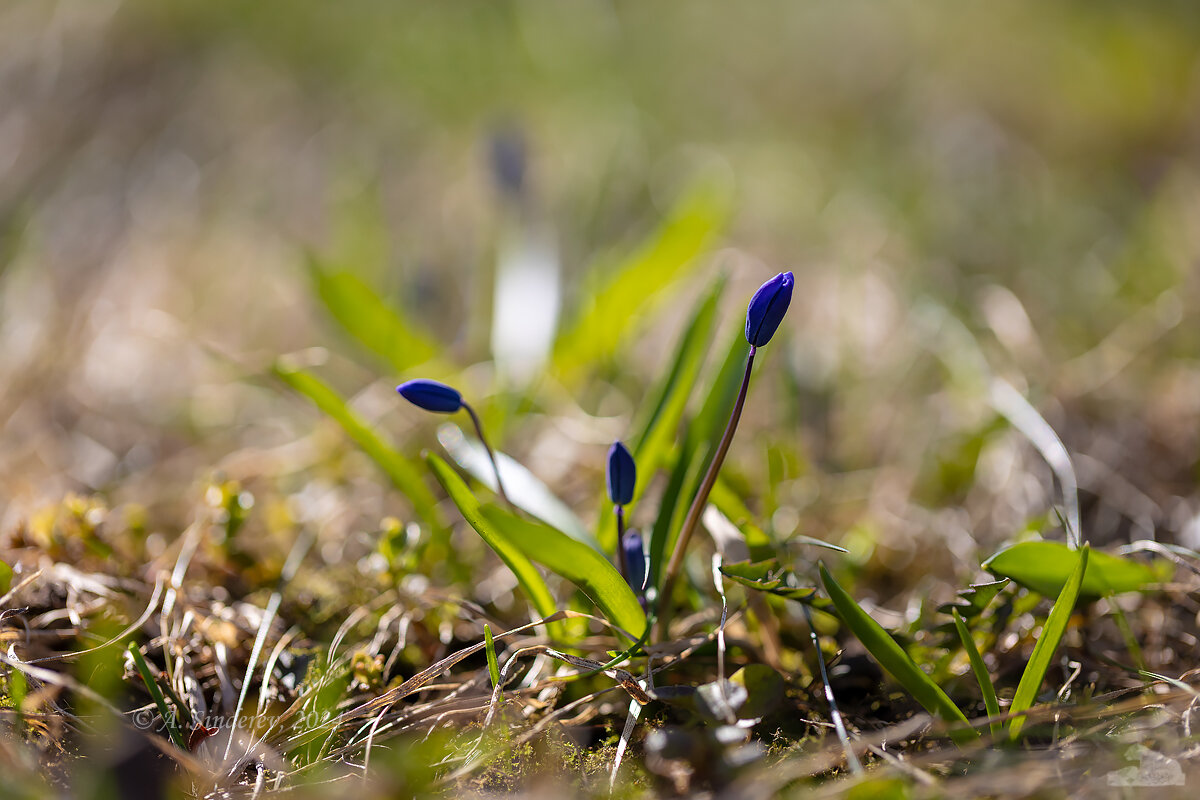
(621, 474)
(767, 308)
(635, 558)
(431, 396)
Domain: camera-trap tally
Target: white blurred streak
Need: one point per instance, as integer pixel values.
(528, 294)
(1024, 417)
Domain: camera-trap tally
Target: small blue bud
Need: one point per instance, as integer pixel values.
(431, 396)
(621, 474)
(635, 558)
(767, 308)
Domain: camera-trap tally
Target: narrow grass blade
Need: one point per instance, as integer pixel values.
(164, 711)
(527, 575)
(1046, 567)
(980, 669)
(703, 431)
(835, 714)
(614, 306)
(576, 562)
(377, 326)
(1047, 643)
(18, 689)
(670, 397)
(403, 473)
(892, 658)
(490, 647)
(687, 472)
(635, 711)
(657, 430)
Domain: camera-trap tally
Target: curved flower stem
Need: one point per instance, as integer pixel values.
(622, 561)
(491, 455)
(698, 503)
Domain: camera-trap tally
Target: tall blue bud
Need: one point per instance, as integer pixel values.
(635, 558)
(431, 396)
(621, 474)
(767, 308)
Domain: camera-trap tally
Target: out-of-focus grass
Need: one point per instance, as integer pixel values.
(1014, 186)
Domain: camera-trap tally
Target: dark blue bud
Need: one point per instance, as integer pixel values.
(431, 396)
(767, 308)
(635, 558)
(621, 474)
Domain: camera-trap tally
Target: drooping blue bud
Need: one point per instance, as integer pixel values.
(621, 474)
(635, 558)
(767, 308)
(431, 396)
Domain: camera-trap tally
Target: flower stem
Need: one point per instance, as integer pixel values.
(491, 455)
(622, 561)
(698, 503)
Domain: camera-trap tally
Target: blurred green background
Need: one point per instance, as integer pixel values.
(1015, 182)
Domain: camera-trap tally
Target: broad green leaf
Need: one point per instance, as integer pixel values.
(879, 788)
(768, 576)
(524, 489)
(6, 574)
(1045, 567)
(765, 690)
(379, 327)
(1047, 643)
(403, 473)
(614, 307)
(891, 657)
(980, 669)
(527, 575)
(576, 562)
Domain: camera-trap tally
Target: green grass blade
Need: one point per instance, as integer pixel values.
(578, 563)
(528, 577)
(671, 396)
(490, 647)
(687, 473)
(891, 657)
(980, 669)
(657, 430)
(404, 475)
(18, 690)
(160, 701)
(367, 318)
(1047, 643)
(613, 308)
(703, 433)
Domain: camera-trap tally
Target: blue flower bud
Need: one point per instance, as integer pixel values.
(767, 308)
(621, 474)
(431, 396)
(635, 558)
